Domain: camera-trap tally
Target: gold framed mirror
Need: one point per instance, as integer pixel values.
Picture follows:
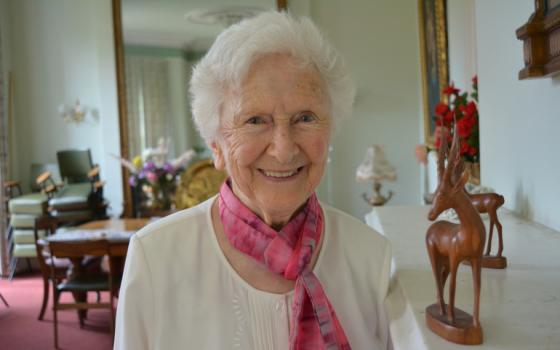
(434, 58)
(139, 127)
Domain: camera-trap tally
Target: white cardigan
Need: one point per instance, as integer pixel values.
(180, 292)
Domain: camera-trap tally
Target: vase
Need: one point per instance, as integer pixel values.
(158, 198)
(161, 198)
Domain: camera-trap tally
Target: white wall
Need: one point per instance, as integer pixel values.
(379, 41)
(461, 42)
(519, 120)
(62, 50)
(6, 30)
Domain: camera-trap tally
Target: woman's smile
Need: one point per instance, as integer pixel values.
(281, 175)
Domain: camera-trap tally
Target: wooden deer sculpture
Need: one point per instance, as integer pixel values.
(490, 203)
(449, 244)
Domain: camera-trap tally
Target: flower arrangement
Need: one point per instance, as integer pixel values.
(464, 108)
(150, 174)
(153, 178)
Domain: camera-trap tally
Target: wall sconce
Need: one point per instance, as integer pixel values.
(75, 113)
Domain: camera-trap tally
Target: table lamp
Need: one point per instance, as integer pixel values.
(376, 168)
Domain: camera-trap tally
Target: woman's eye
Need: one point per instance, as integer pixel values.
(255, 120)
(307, 118)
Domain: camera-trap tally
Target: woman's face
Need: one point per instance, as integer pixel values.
(274, 135)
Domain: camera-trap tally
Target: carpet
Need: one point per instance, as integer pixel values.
(21, 330)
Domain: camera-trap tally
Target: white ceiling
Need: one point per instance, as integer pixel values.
(163, 23)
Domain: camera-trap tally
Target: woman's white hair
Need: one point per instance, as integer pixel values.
(227, 62)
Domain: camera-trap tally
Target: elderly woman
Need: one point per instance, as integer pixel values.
(264, 264)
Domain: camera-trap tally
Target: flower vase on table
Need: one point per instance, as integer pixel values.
(153, 179)
(154, 185)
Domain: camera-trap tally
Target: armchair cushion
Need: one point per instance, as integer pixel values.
(72, 197)
(88, 282)
(23, 220)
(25, 251)
(33, 203)
(27, 236)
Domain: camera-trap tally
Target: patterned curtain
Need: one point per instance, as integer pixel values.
(3, 171)
(147, 101)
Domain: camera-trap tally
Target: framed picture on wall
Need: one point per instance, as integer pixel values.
(434, 59)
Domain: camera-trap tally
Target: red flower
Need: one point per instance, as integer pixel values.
(450, 90)
(464, 127)
(465, 147)
(441, 109)
(461, 108)
(469, 108)
(448, 119)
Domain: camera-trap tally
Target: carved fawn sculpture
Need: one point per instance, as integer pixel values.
(490, 203)
(449, 244)
(487, 203)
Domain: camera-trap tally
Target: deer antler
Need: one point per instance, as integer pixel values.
(455, 165)
(442, 151)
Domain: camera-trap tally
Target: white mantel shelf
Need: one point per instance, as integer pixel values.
(520, 306)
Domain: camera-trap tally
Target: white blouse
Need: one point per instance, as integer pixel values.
(180, 292)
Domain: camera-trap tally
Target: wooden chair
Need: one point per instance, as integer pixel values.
(80, 281)
(45, 260)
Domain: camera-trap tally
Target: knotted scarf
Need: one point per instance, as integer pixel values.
(288, 252)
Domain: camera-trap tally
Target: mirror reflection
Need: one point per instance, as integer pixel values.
(162, 42)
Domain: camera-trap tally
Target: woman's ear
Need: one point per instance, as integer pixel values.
(219, 161)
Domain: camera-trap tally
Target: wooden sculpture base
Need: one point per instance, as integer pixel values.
(491, 262)
(461, 332)
(494, 262)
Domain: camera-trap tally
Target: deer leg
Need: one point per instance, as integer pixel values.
(489, 245)
(476, 267)
(453, 265)
(444, 273)
(436, 268)
(500, 242)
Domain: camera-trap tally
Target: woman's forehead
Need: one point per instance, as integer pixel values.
(283, 67)
(281, 78)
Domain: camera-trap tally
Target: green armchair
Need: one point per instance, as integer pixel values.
(81, 196)
(74, 196)
(23, 209)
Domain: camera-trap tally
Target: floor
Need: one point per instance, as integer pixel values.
(20, 328)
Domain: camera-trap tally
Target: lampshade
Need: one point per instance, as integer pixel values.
(375, 166)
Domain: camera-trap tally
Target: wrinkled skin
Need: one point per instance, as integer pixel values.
(274, 135)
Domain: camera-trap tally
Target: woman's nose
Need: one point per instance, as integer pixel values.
(283, 146)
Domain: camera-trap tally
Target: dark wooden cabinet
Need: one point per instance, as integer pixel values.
(541, 40)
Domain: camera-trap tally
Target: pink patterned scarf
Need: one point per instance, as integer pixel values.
(288, 253)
